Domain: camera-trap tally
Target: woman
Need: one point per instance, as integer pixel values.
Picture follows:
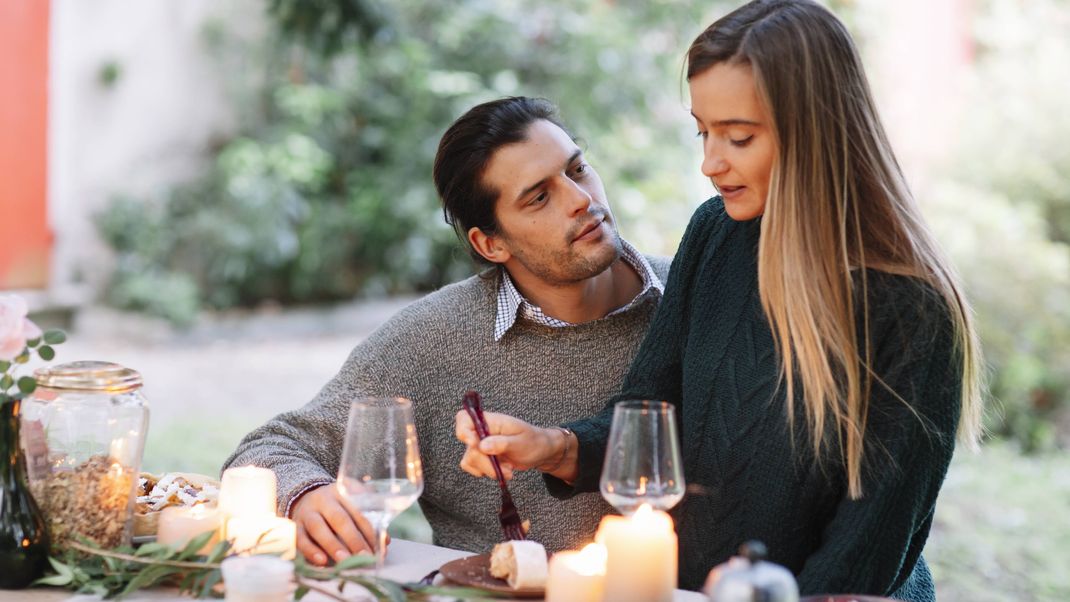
(813, 337)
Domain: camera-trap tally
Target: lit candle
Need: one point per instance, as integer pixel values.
(577, 576)
(251, 535)
(178, 525)
(246, 491)
(258, 579)
(640, 556)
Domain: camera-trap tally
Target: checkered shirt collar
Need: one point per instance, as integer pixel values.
(511, 303)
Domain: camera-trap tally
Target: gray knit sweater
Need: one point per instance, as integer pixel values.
(432, 352)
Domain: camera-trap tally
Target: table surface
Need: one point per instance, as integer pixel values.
(406, 561)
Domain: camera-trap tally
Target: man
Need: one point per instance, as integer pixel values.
(547, 334)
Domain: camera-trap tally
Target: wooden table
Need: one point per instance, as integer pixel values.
(406, 561)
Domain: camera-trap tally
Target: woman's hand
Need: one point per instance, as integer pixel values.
(518, 446)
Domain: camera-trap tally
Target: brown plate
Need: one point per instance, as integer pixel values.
(474, 571)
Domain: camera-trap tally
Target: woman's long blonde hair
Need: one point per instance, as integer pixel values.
(837, 201)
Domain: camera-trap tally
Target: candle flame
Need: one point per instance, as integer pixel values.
(648, 518)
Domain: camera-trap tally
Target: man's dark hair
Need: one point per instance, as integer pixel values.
(466, 149)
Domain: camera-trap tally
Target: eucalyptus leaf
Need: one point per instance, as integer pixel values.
(22, 358)
(64, 575)
(31, 343)
(55, 337)
(47, 353)
(190, 550)
(355, 561)
(218, 552)
(461, 593)
(393, 591)
(6, 382)
(156, 550)
(150, 576)
(4, 365)
(27, 384)
(210, 581)
(55, 580)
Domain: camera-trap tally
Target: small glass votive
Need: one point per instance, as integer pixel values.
(258, 579)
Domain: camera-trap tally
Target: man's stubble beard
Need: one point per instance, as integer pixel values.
(569, 268)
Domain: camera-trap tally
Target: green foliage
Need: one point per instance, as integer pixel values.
(327, 191)
(1003, 210)
(13, 386)
(999, 532)
(1020, 288)
(114, 574)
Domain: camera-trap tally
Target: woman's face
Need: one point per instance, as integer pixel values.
(737, 137)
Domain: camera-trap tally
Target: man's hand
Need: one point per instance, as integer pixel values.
(329, 527)
(517, 444)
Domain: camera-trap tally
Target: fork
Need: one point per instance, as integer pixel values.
(509, 518)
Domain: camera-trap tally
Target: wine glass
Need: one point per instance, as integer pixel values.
(642, 463)
(380, 471)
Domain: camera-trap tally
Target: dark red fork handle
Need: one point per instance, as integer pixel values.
(473, 405)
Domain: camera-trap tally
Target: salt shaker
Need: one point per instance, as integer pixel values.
(750, 578)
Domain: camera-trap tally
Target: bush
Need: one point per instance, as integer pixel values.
(327, 192)
(1004, 211)
(1019, 283)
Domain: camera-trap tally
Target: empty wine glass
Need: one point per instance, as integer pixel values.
(380, 471)
(642, 463)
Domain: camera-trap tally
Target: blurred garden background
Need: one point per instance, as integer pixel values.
(232, 194)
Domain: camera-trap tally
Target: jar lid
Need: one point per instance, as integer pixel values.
(89, 376)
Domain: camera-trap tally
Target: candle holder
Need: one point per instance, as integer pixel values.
(258, 579)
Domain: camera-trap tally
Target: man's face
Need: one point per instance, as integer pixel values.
(553, 219)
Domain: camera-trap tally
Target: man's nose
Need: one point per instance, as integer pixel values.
(578, 198)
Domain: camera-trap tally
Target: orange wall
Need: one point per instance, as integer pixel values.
(24, 235)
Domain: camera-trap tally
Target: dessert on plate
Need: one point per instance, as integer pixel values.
(522, 564)
(154, 493)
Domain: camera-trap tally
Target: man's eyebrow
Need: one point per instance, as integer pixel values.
(529, 189)
(727, 122)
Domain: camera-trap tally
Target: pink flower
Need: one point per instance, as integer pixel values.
(15, 328)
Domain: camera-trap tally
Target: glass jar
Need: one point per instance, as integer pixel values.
(83, 433)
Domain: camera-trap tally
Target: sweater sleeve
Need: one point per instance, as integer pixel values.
(873, 544)
(303, 447)
(655, 372)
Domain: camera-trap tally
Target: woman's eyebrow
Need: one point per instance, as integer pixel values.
(727, 122)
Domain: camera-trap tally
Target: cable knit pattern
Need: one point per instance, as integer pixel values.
(710, 352)
(432, 352)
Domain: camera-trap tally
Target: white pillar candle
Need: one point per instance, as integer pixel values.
(178, 525)
(258, 579)
(577, 576)
(640, 556)
(251, 535)
(246, 491)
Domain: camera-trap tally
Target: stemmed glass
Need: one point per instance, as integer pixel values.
(642, 463)
(380, 471)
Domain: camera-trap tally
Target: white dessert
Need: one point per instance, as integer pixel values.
(521, 563)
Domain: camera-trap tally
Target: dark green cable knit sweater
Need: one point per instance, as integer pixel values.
(710, 352)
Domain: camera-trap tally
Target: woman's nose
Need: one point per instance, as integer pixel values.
(713, 164)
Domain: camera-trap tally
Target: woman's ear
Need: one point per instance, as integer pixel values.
(492, 248)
